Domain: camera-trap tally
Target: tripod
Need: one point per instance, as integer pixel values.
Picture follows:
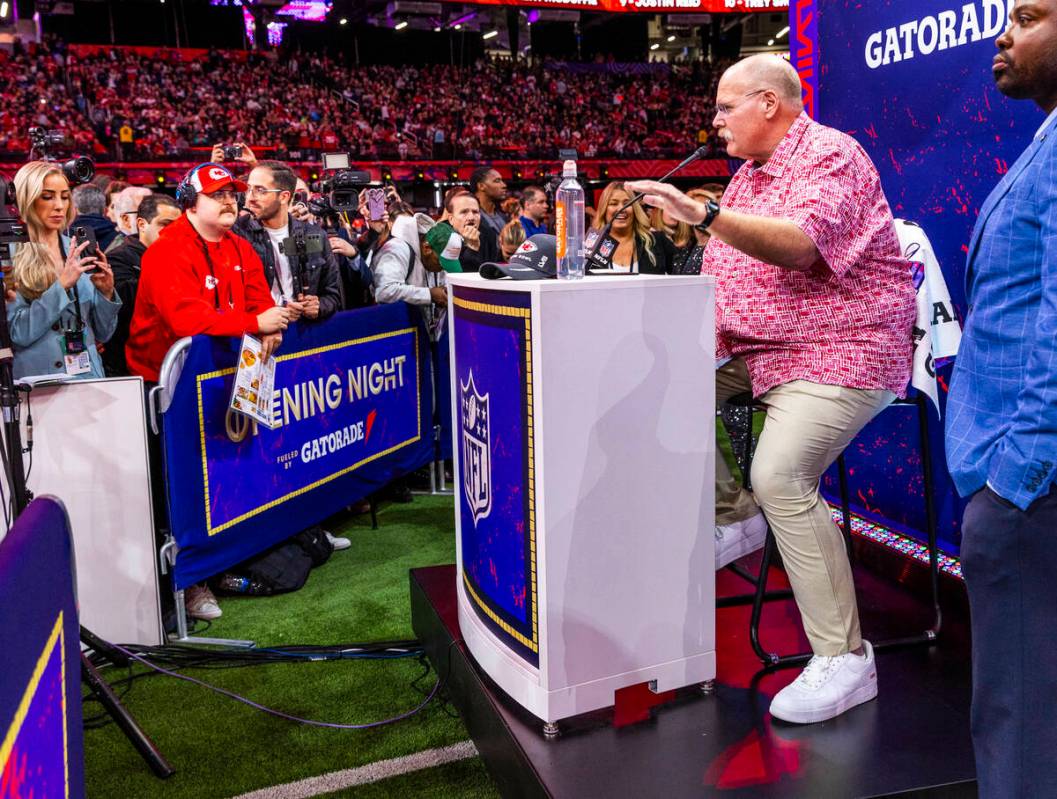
(11, 456)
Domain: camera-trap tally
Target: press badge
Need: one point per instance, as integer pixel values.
(75, 354)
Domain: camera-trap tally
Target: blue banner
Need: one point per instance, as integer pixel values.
(496, 484)
(911, 81)
(41, 740)
(353, 410)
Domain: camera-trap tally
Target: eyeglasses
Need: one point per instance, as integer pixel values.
(722, 109)
(260, 191)
(220, 195)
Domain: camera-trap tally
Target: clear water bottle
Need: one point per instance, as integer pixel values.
(233, 584)
(569, 224)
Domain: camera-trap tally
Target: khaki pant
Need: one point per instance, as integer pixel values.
(807, 426)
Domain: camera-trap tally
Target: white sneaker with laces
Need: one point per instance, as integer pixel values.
(827, 687)
(201, 604)
(738, 539)
(337, 542)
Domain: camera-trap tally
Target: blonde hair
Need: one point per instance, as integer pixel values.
(512, 234)
(34, 270)
(680, 234)
(640, 223)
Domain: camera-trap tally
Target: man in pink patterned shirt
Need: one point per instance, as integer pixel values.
(814, 307)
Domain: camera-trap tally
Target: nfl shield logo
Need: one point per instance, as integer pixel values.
(476, 451)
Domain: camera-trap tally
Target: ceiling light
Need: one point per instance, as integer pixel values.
(400, 25)
(671, 38)
(770, 42)
(490, 35)
(655, 46)
(458, 27)
(782, 32)
(343, 21)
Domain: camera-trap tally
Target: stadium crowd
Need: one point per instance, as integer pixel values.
(130, 106)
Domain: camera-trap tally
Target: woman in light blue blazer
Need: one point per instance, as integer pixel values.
(59, 312)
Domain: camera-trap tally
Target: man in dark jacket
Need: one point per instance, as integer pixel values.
(308, 284)
(90, 203)
(154, 214)
(480, 242)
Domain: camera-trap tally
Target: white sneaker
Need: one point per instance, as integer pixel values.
(201, 604)
(827, 687)
(337, 542)
(738, 539)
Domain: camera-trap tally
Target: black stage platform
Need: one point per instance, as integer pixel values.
(913, 740)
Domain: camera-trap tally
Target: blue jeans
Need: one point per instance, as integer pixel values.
(1009, 558)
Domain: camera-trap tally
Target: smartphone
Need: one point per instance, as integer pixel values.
(81, 234)
(376, 204)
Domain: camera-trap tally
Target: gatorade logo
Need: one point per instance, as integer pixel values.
(559, 229)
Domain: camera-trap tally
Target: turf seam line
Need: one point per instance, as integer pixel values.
(363, 775)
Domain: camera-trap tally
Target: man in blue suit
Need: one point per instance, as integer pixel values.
(1002, 435)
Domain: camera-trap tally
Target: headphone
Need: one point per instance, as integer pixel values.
(186, 193)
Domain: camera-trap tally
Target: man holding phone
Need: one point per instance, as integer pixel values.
(307, 284)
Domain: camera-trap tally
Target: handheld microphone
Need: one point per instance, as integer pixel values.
(699, 153)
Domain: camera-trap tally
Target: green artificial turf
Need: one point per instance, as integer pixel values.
(464, 778)
(221, 748)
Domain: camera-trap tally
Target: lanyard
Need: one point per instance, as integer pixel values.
(213, 274)
(76, 298)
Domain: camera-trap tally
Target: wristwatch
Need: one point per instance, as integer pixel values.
(711, 212)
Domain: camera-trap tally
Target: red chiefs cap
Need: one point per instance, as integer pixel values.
(207, 178)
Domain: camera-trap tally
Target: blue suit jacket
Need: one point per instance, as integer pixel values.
(1002, 409)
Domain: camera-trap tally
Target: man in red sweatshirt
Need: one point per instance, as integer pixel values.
(199, 277)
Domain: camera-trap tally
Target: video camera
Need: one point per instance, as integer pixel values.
(339, 189)
(47, 144)
(297, 247)
(12, 231)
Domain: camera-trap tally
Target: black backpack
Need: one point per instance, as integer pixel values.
(281, 569)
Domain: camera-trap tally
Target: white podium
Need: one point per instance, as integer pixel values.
(584, 425)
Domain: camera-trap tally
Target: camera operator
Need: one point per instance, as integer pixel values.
(199, 277)
(311, 290)
(398, 271)
(65, 300)
(154, 214)
(237, 153)
(357, 283)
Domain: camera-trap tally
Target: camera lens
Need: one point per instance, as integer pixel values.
(79, 169)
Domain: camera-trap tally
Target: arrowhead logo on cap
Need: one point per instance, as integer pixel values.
(211, 282)
(528, 246)
(216, 173)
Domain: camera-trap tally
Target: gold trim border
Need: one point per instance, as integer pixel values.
(526, 314)
(57, 635)
(210, 529)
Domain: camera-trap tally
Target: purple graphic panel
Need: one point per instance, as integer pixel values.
(34, 761)
(911, 81)
(493, 429)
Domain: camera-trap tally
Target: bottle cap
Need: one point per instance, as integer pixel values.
(569, 169)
